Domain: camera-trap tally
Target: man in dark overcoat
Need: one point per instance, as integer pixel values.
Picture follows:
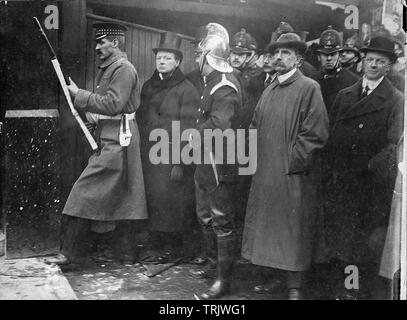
(292, 123)
(109, 194)
(168, 99)
(360, 156)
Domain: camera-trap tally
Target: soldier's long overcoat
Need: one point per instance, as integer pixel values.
(111, 187)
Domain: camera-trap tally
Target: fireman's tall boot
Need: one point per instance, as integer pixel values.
(226, 256)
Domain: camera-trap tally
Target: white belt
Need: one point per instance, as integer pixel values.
(94, 117)
(130, 116)
(124, 134)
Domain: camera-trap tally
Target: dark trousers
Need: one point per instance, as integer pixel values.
(215, 209)
(76, 238)
(78, 241)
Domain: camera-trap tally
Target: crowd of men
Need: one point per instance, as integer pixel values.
(327, 141)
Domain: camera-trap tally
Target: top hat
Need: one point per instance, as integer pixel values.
(382, 45)
(171, 42)
(288, 40)
(330, 41)
(108, 29)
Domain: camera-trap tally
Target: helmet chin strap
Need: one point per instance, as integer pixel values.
(247, 61)
(201, 65)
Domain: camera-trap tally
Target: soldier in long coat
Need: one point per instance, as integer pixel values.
(167, 99)
(292, 123)
(111, 188)
(360, 156)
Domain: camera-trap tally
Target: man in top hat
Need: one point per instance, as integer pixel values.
(109, 194)
(331, 76)
(219, 103)
(168, 99)
(350, 56)
(292, 123)
(366, 125)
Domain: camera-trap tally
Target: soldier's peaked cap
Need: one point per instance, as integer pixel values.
(104, 29)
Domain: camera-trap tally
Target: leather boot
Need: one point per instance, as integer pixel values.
(226, 254)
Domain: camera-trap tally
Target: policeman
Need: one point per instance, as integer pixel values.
(214, 205)
(243, 48)
(350, 56)
(243, 57)
(331, 76)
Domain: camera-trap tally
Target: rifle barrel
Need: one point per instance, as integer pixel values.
(45, 38)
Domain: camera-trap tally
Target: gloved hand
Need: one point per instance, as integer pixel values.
(177, 173)
(91, 127)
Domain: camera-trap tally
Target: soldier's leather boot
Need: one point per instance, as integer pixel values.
(226, 255)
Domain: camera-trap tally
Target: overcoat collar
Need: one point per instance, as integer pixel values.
(354, 106)
(111, 59)
(298, 74)
(176, 77)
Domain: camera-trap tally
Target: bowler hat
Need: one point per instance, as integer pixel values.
(288, 40)
(104, 29)
(382, 45)
(171, 42)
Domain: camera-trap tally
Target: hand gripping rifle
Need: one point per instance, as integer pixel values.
(61, 78)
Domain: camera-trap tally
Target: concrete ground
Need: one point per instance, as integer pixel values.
(105, 281)
(32, 279)
(40, 279)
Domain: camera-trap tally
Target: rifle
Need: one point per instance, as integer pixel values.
(61, 78)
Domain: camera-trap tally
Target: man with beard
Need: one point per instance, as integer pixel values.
(292, 123)
(331, 76)
(109, 194)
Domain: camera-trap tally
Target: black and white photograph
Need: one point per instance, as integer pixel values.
(217, 151)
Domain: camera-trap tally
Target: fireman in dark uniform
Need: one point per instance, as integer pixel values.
(213, 182)
(331, 76)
